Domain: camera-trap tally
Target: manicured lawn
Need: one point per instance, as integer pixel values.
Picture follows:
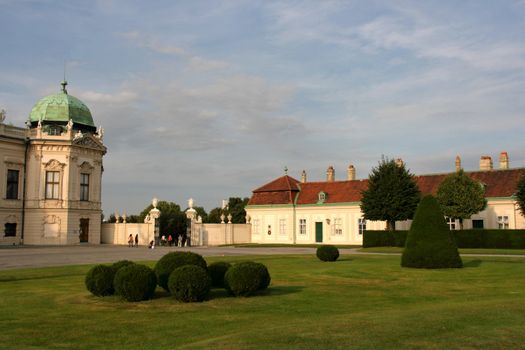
(399, 250)
(362, 302)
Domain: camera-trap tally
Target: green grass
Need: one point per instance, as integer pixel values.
(361, 302)
(399, 250)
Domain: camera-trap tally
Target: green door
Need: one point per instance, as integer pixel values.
(318, 232)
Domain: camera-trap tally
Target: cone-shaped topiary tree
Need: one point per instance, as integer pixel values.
(430, 243)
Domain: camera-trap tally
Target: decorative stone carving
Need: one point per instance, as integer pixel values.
(70, 125)
(190, 203)
(229, 218)
(51, 226)
(85, 167)
(78, 135)
(54, 164)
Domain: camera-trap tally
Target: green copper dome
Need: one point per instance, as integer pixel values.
(60, 108)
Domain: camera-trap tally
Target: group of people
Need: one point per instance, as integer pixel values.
(170, 241)
(133, 242)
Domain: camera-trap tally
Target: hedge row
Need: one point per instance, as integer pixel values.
(478, 238)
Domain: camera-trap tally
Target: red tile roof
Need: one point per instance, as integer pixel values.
(498, 183)
(280, 191)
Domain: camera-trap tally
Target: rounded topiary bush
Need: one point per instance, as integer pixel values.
(135, 282)
(171, 261)
(245, 278)
(189, 283)
(99, 280)
(430, 243)
(327, 253)
(120, 264)
(216, 271)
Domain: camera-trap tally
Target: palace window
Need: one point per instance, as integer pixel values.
(451, 222)
(54, 130)
(255, 227)
(321, 197)
(477, 224)
(10, 230)
(12, 184)
(302, 227)
(361, 223)
(282, 227)
(52, 184)
(84, 187)
(503, 222)
(338, 226)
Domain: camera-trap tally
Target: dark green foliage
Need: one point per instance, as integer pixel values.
(189, 283)
(430, 243)
(172, 219)
(99, 280)
(169, 262)
(217, 270)
(382, 238)
(392, 194)
(246, 278)
(120, 264)
(476, 238)
(135, 282)
(520, 194)
(327, 253)
(235, 208)
(460, 197)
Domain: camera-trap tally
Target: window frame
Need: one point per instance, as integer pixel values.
(503, 222)
(54, 185)
(12, 187)
(282, 227)
(84, 187)
(361, 225)
(302, 227)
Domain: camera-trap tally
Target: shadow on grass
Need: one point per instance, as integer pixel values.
(218, 293)
(472, 263)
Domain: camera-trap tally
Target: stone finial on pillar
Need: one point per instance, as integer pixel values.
(458, 163)
(399, 162)
(222, 218)
(330, 174)
(230, 218)
(303, 176)
(124, 217)
(503, 160)
(248, 218)
(350, 173)
(117, 217)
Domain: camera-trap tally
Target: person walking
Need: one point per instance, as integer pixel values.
(137, 240)
(130, 240)
(170, 240)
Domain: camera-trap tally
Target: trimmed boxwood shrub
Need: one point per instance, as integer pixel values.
(99, 280)
(327, 253)
(169, 262)
(475, 238)
(120, 264)
(430, 243)
(135, 282)
(216, 271)
(189, 283)
(245, 278)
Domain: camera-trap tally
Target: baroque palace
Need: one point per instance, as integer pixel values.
(51, 174)
(287, 210)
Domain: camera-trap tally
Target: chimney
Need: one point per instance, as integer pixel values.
(458, 163)
(350, 173)
(399, 162)
(330, 174)
(485, 163)
(303, 176)
(503, 160)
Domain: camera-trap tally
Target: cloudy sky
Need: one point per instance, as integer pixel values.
(212, 99)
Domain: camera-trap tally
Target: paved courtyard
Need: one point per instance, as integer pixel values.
(40, 256)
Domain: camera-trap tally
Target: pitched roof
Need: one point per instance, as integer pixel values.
(497, 183)
(279, 191)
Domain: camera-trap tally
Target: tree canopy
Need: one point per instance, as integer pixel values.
(235, 207)
(460, 197)
(392, 194)
(171, 221)
(520, 194)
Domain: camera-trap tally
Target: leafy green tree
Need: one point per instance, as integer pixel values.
(202, 213)
(460, 197)
(235, 208)
(134, 219)
(171, 221)
(214, 217)
(520, 194)
(392, 194)
(430, 243)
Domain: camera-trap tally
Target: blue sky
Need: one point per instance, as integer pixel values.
(212, 99)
